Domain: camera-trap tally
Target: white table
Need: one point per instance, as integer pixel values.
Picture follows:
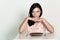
(25, 36)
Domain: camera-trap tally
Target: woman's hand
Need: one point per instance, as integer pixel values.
(47, 24)
(40, 20)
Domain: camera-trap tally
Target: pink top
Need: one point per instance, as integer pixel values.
(37, 27)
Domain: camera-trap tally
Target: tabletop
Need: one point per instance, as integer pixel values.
(25, 36)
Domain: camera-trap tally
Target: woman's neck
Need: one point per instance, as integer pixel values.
(36, 18)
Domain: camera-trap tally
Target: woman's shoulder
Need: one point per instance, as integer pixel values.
(28, 18)
(42, 18)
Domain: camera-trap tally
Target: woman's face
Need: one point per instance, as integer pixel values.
(36, 12)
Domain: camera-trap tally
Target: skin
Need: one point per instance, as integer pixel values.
(36, 12)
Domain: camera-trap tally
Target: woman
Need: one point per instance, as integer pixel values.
(34, 23)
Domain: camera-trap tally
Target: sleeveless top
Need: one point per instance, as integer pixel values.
(36, 28)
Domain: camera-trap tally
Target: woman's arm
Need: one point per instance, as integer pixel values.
(23, 25)
(48, 25)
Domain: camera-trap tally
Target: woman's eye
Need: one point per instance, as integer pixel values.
(37, 11)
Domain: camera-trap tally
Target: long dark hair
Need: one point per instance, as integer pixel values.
(34, 5)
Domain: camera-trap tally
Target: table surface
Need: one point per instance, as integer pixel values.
(26, 36)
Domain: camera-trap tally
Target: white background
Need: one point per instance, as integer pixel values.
(13, 12)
